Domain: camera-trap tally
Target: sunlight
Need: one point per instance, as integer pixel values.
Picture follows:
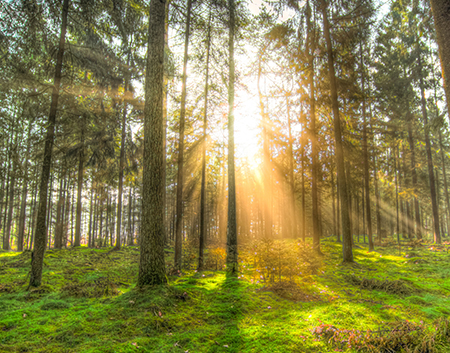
(247, 120)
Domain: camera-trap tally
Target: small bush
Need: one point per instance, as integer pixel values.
(280, 261)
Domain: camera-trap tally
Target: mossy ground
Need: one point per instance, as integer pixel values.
(88, 303)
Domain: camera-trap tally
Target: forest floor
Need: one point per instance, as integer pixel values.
(88, 303)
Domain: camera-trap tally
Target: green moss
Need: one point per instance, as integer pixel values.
(206, 312)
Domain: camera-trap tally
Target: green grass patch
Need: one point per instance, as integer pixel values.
(89, 303)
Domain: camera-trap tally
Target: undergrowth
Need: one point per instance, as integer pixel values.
(284, 299)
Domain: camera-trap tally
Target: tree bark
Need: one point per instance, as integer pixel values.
(232, 251)
(441, 14)
(40, 239)
(152, 238)
(202, 236)
(179, 223)
(434, 205)
(444, 173)
(366, 161)
(121, 168)
(80, 185)
(313, 133)
(23, 206)
(347, 251)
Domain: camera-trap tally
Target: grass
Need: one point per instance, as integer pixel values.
(89, 303)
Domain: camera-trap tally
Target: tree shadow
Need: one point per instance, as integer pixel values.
(229, 309)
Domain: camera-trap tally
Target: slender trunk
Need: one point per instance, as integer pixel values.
(266, 187)
(205, 127)
(303, 191)
(414, 177)
(12, 180)
(23, 206)
(165, 101)
(37, 258)
(347, 251)
(90, 217)
(293, 213)
(366, 163)
(444, 172)
(313, 132)
(121, 168)
(178, 238)
(333, 197)
(80, 185)
(232, 251)
(434, 205)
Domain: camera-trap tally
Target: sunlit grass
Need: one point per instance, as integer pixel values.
(208, 311)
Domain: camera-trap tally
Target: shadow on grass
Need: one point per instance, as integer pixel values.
(229, 311)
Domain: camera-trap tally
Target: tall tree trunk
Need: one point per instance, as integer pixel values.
(202, 236)
(165, 101)
(303, 227)
(152, 238)
(313, 133)
(444, 173)
(414, 177)
(10, 199)
(266, 187)
(90, 217)
(441, 14)
(37, 258)
(80, 185)
(434, 205)
(377, 200)
(23, 206)
(347, 251)
(121, 168)
(178, 226)
(293, 213)
(366, 161)
(232, 251)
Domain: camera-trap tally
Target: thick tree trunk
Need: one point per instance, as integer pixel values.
(37, 258)
(441, 14)
(152, 238)
(178, 226)
(232, 251)
(347, 251)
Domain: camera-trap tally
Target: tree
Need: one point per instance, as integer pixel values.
(40, 238)
(179, 223)
(202, 234)
(441, 14)
(342, 182)
(232, 250)
(152, 263)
